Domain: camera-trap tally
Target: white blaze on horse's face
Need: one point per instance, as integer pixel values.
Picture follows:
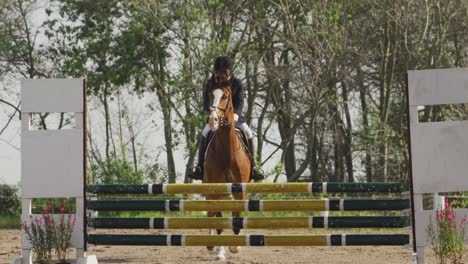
(217, 93)
(214, 120)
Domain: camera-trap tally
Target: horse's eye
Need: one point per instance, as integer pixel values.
(224, 97)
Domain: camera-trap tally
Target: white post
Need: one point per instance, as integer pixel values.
(438, 201)
(25, 213)
(53, 161)
(438, 150)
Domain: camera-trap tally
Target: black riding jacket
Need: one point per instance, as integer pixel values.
(237, 93)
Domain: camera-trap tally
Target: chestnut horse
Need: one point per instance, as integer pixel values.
(226, 158)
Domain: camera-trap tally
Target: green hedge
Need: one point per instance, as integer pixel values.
(10, 203)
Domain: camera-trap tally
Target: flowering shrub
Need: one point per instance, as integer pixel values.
(47, 234)
(40, 234)
(62, 234)
(448, 238)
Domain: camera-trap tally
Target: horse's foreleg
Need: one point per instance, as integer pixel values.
(219, 231)
(210, 231)
(236, 230)
(237, 196)
(219, 250)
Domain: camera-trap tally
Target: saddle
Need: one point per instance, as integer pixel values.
(240, 135)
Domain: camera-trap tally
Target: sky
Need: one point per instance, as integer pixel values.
(10, 139)
(9, 147)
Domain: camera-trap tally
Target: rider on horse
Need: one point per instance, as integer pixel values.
(224, 77)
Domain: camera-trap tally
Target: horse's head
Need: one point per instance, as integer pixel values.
(222, 113)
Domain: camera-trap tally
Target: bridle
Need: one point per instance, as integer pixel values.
(222, 119)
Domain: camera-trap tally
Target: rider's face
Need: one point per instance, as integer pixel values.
(223, 76)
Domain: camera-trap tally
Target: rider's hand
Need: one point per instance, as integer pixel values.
(236, 117)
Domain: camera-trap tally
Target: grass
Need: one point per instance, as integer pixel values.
(10, 221)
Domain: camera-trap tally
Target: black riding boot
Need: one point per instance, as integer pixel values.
(197, 173)
(255, 175)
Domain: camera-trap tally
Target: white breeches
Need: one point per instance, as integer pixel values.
(243, 126)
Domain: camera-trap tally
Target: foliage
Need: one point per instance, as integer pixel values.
(447, 237)
(157, 173)
(10, 221)
(461, 202)
(10, 203)
(38, 204)
(115, 171)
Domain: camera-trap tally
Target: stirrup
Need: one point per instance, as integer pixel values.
(196, 173)
(257, 176)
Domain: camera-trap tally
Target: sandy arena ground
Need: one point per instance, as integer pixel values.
(10, 247)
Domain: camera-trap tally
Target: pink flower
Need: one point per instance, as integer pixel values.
(50, 221)
(62, 209)
(44, 212)
(49, 207)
